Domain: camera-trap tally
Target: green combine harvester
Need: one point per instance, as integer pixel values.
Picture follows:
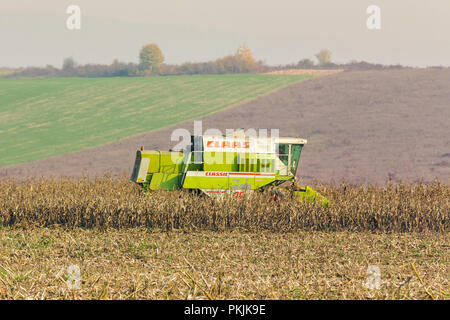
(234, 164)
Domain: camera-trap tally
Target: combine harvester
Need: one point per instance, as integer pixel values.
(234, 164)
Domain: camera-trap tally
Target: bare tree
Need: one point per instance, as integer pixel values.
(324, 57)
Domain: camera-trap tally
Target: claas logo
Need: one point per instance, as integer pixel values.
(216, 174)
(228, 144)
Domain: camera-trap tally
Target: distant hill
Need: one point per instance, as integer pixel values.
(366, 126)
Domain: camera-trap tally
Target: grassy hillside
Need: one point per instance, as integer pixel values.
(40, 118)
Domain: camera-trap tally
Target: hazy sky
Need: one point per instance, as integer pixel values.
(413, 32)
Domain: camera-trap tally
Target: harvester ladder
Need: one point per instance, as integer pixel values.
(186, 167)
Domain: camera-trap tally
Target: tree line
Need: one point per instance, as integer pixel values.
(151, 63)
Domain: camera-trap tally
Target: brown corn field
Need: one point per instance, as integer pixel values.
(118, 203)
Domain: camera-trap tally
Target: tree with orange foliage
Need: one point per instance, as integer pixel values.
(246, 60)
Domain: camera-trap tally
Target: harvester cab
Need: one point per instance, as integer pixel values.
(218, 165)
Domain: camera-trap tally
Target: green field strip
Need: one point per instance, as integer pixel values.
(41, 118)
